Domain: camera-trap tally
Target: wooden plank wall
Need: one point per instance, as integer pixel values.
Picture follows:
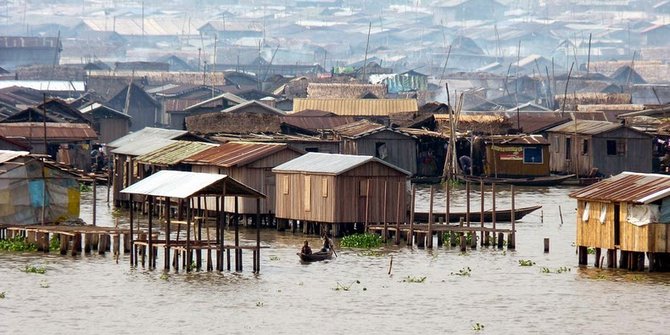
(514, 168)
(592, 233)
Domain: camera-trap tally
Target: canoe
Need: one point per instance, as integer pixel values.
(315, 256)
(502, 215)
(527, 181)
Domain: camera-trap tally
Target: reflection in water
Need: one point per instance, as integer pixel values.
(92, 293)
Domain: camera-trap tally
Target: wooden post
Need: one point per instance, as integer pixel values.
(463, 243)
(166, 263)
(429, 237)
(130, 233)
(187, 258)
(597, 262)
(150, 235)
(581, 251)
(410, 234)
(63, 243)
(385, 208)
(94, 201)
(447, 210)
(257, 255)
(546, 245)
(400, 209)
(493, 209)
(611, 258)
(238, 256)
(500, 240)
(560, 213)
(367, 205)
(481, 212)
(511, 238)
(467, 203)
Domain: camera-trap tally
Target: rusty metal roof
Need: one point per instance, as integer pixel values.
(315, 123)
(585, 127)
(181, 185)
(174, 153)
(56, 131)
(364, 128)
(8, 155)
(330, 164)
(357, 107)
(518, 140)
(641, 188)
(235, 153)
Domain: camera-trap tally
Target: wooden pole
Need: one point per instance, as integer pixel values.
(130, 233)
(386, 228)
(447, 189)
(237, 236)
(467, 203)
(188, 257)
(429, 237)
(257, 261)
(149, 236)
(493, 208)
(166, 264)
(399, 211)
(481, 210)
(367, 205)
(511, 239)
(94, 201)
(410, 235)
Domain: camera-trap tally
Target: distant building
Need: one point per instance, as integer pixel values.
(17, 51)
(461, 10)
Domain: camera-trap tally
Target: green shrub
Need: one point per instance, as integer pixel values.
(17, 243)
(366, 240)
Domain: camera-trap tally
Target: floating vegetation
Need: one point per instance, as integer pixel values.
(478, 327)
(545, 270)
(372, 253)
(259, 304)
(342, 287)
(274, 258)
(591, 250)
(448, 236)
(526, 262)
(34, 269)
(164, 276)
(192, 266)
(18, 243)
(412, 279)
(464, 272)
(85, 188)
(2, 295)
(44, 284)
(117, 213)
(365, 240)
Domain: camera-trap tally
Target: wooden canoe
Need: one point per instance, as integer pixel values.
(528, 181)
(316, 256)
(502, 215)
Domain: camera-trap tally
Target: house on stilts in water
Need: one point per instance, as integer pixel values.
(340, 193)
(629, 216)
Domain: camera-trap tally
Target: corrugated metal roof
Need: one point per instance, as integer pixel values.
(55, 131)
(173, 153)
(94, 106)
(518, 140)
(181, 185)
(423, 132)
(641, 188)
(240, 108)
(235, 154)
(360, 107)
(147, 134)
(330, 164)
(224, 96)
(142, 146)
(586, 127)
(359, 129)
(8, 155)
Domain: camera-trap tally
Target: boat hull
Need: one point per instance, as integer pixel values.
(531, 181)
(316, 256)
(502, 215)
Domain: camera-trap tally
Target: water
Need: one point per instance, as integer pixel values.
(94, 294)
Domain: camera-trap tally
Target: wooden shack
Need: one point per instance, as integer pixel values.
(629, 213)
(388, 144)
(516, 156)
(249, 163)
(109, 123)
(340, 189)
(585, 146)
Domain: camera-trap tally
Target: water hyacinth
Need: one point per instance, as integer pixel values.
(366, 241)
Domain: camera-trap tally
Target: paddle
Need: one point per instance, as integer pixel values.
(332, 246)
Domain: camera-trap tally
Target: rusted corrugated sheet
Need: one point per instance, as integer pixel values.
(627, 187)
(234, 154)
(586, 127)
(357, 107)
(314, 123)
(359, 128)
(518, 140)
(55, 131)
(174, 153)
(423, 133)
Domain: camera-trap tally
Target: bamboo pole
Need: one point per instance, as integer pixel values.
(481, 211)
(166, 264)
(511, 240)
(493, 208)
(410, 235)
(467, 203)
(429, 243)
(367, 205)
(400, 209)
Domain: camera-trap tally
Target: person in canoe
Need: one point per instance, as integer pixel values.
(327, 242)
(306, 250)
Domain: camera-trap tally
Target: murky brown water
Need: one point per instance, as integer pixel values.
(93, 294)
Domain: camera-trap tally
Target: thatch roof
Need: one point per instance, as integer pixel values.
(233, 123)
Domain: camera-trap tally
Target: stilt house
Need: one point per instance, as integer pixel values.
(340, 189)
(629, 212)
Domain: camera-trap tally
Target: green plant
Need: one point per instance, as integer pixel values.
(44, 284)
(164, 276)
(2, 295)
(591, 251)
(274, 258)
(259, 304)
(85, 188)
(341, 287)
(526, 262)
(192, 266)
(545, 270)
(17, 243)
(412, 279)
(54, 243)
(365, 240)
(117, 213)
(563, 269)
(34, 269)
(464, 272)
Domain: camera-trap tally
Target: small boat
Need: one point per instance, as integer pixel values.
(527, 181)
(502, 215)
(315, 256)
